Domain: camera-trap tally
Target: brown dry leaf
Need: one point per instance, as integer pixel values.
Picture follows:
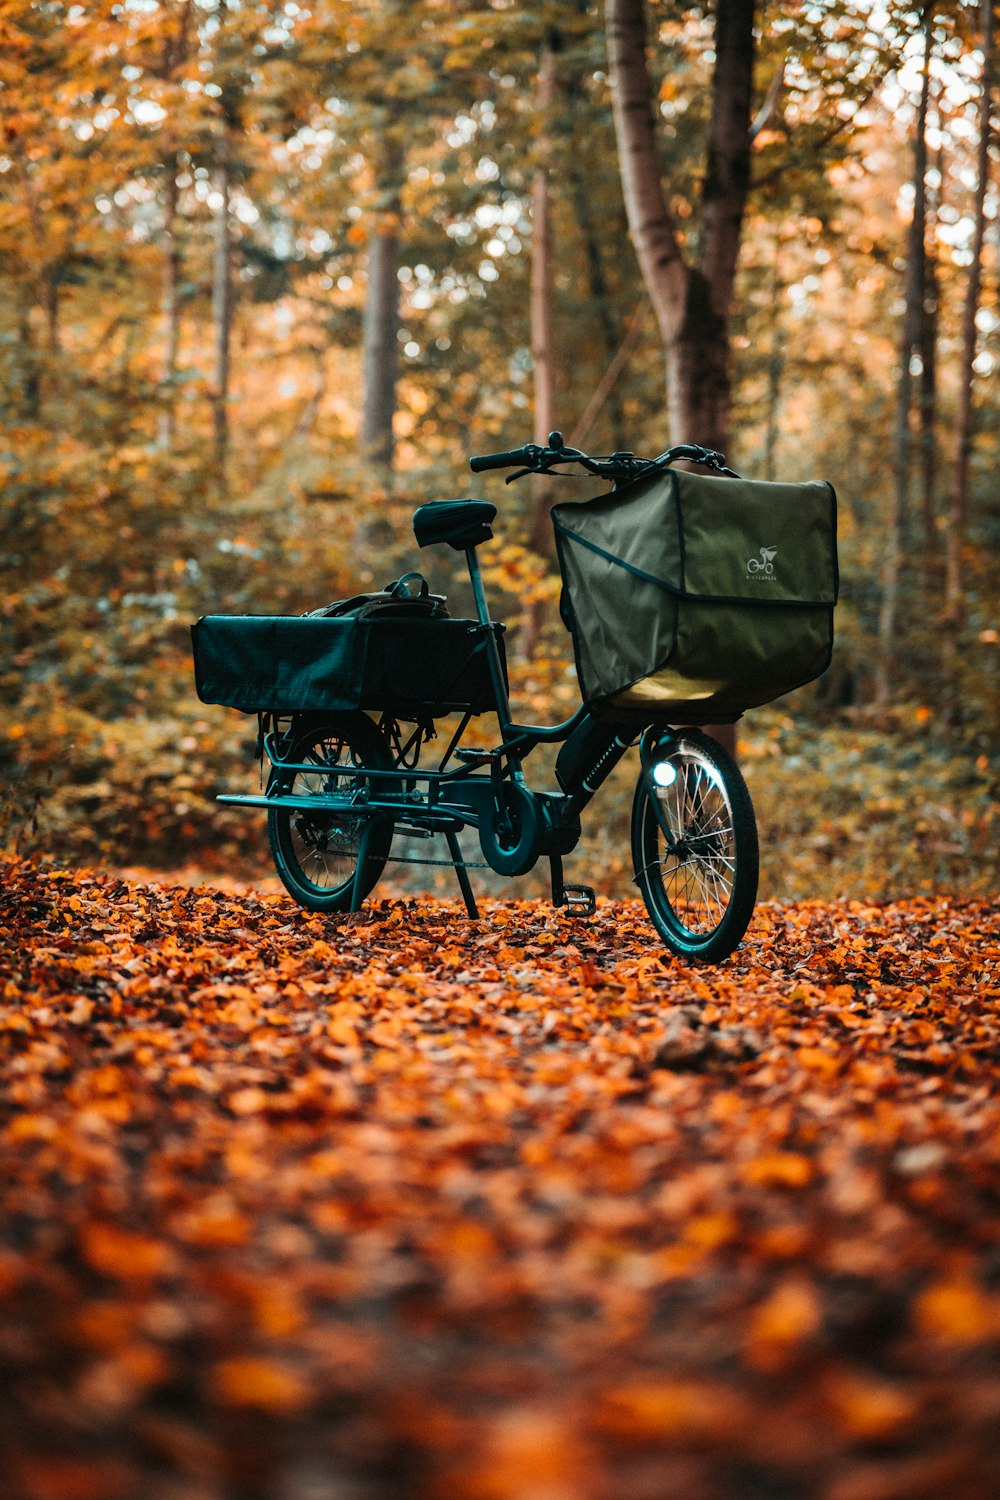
(955, 1311)
(520, 1207)
(867, 1406)
(260, 1384)
(785, 1320)
(124, 1255)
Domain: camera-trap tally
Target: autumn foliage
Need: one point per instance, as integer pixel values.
(401, 1205)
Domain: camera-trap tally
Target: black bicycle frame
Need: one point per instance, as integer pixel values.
(463, 797)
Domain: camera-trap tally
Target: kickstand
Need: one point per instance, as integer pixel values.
(455, 850)
(579, 900)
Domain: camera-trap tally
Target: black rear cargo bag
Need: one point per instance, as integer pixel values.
(308, 664)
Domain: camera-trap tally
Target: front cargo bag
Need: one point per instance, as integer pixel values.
(692, 598)
(412, 668)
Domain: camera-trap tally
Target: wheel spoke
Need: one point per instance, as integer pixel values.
(316, 851)
(694, 846)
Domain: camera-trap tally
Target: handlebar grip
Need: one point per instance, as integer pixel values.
(499, 460)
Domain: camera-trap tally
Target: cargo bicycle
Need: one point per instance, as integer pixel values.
(348, 701)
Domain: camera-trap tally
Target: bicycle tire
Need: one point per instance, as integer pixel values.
(316, 854)
(697, 869)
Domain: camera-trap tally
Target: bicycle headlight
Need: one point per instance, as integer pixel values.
(665, 773)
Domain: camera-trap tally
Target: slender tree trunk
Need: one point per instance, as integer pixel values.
(542, 351)
(222, 312)
(52, 313)
(175, 48)
(928, 398)
(775, 368)
(380, 347)
(170, 311)
(928, 409)
(53, 350)
(911, 344)
(31, 386)
(959, 507)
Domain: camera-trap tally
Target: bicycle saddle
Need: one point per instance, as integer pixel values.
(460, 523)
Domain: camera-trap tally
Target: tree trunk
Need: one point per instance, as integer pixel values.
(698, 384)
(958, 509)
(692, 302)
(911, 344)
(222, 311)
(380, 346)
(542, 352)
(928, 408)
(175, 48)
(928, 398)
(31, 385)
(775, 370)
(650, 224)
(52, 314)
(170, 311)
(724, 197)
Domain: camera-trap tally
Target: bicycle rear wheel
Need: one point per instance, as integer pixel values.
(316, 852)
(694, 846)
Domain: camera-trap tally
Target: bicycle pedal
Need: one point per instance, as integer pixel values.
(579, 900)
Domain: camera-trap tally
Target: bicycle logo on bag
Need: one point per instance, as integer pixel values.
(763, 569)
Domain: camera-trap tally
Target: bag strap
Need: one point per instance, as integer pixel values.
(400, 587)
(395, 597)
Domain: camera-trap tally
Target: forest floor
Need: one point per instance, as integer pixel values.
(400, 1206)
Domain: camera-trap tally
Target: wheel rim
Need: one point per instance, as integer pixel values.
(692, 843)
(325, 845)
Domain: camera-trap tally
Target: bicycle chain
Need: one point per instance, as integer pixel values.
(444, 864)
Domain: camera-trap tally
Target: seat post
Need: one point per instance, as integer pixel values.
(493, 650)
(478, 591)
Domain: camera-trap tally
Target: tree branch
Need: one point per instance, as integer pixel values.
(769, 108)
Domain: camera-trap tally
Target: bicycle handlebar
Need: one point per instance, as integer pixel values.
(534, 459)
(504, 460)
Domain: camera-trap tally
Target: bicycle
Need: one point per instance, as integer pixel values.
(342, 784)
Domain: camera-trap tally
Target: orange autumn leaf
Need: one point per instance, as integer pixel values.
(215, 1222)
(260, 1384)
(524, 1453)
(779, 1169)
(866, 1406)
(781, 1323)
(123, 1255)
(672, 1410)
(956, 1312)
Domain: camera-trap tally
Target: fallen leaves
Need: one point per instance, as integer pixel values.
(413, 1207)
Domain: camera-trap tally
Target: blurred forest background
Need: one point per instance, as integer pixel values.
(271, 271)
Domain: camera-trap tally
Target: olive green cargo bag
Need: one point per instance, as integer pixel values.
(692, 598)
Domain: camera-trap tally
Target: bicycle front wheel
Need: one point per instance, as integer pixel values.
(316, 852)
(694, 846)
